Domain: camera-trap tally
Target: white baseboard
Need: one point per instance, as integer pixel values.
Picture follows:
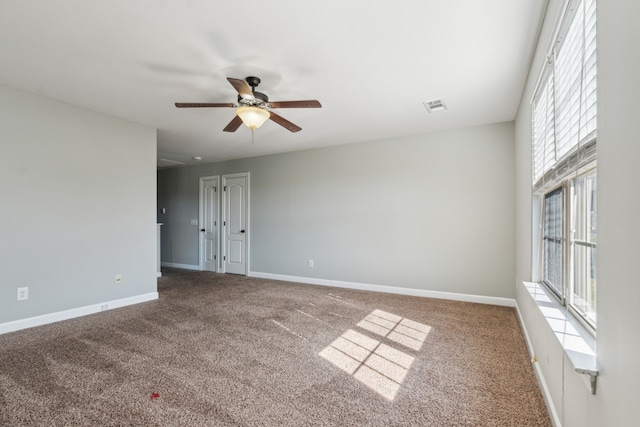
(546, 393)
(508, 302)
(44, 319)
(182, 266)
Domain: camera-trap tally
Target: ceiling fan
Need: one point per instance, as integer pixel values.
(254, 108)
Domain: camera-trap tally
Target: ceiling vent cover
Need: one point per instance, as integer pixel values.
(435, 105)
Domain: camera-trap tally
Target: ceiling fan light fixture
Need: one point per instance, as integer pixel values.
(253, 117)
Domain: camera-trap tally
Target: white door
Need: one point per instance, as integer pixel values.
(209, 223)
(235, 222)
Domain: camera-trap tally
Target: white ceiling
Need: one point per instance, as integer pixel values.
(370, 63)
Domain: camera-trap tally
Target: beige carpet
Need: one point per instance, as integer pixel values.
(222, 350)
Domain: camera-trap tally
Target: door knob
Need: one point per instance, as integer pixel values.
(242, 231)
(202, 229)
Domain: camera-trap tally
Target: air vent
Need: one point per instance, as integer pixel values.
(435, 105)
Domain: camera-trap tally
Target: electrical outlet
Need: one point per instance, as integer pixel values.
(118, 279)
(310, 263)
(22, 294)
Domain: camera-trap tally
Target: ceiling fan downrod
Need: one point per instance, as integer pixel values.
(253, 82)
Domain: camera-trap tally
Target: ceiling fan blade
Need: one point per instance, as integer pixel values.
(203, 104)
(233, 124)
(312, 103)
(284, 122)
(242, 87)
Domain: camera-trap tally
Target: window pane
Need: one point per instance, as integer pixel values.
(583, 293)
(552, 237)
(583, 298)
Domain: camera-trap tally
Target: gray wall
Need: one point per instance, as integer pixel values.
(618, 299)
(434, 212)
(78, 206)
(618, 211)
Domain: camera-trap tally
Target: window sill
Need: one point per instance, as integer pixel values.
(578, 344)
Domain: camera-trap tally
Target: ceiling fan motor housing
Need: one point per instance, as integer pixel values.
(260, 99)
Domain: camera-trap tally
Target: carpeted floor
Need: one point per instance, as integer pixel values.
(223, 350)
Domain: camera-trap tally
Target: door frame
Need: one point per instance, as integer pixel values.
(201, 221)
(223, 219)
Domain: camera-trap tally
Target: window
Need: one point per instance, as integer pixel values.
(564, 161)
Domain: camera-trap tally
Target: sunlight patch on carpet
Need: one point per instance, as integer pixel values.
(377, 365)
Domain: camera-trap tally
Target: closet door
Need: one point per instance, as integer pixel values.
(235, 222)
(209, 208)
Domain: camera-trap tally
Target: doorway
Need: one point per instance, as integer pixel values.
(224, 223)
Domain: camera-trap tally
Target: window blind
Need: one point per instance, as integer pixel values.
(565, 104)
(543, 129)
